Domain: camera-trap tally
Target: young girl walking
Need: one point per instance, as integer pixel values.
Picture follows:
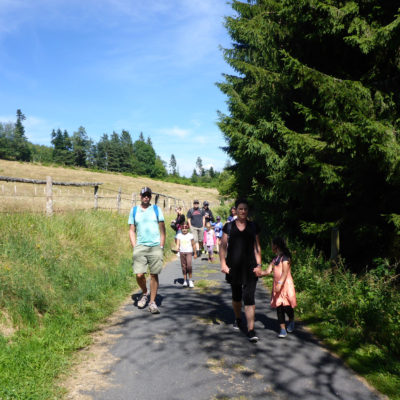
(186, 246)
(283, 292)
(209, 240)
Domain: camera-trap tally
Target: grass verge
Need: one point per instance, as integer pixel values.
(60, 277)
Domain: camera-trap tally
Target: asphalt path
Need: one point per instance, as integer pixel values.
(191, 351)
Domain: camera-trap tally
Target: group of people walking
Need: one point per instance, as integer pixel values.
(238, 245)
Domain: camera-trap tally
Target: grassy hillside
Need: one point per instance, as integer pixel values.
(27, 197)
(59, 277)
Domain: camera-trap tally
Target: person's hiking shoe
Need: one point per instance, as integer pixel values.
(185, 283)
(290, 327)
(282, 333)
(153, 308)
(251, 335)
(237, 324)
(191, 284)
(143, 301)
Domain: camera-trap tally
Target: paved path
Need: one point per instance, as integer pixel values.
(190, 351)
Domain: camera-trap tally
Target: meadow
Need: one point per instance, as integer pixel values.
(29, 197)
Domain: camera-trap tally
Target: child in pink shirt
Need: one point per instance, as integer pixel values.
(209, 240)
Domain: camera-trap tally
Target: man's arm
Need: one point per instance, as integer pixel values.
(161, 225)
(132, 235)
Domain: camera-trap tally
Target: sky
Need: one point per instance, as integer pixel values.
(108, 65)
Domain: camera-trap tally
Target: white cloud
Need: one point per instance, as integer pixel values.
(201, 139)
(176, 132)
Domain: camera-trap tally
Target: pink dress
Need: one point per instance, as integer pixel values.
(287, 296)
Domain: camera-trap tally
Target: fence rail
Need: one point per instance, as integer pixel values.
(119, 201)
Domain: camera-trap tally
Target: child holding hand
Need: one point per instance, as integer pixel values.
(283, 296)
(186, 246)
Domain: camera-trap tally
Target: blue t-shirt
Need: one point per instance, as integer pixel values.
(218, 229)
(147, 229)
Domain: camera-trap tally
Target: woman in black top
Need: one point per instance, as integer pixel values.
(240, 257)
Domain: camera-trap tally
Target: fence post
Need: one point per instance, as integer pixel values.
(96, 197)
(49, 196)
(119, 200)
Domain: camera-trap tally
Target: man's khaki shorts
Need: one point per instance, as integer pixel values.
(147, 257)
(197, 234)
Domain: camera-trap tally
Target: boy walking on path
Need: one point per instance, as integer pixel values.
(147, 236)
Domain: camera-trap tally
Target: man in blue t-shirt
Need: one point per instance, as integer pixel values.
(147, 236)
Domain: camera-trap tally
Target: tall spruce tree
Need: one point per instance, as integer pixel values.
(314, 115)
(20, 144)
(172, 165)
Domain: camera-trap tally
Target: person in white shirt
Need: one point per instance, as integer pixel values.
(186, 246)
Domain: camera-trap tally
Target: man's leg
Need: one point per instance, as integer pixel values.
(153, 287)
(141, 280)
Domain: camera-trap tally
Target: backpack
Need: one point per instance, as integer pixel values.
(155, 208)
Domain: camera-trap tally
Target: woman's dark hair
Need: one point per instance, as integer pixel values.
(241, 201)
(281, 244)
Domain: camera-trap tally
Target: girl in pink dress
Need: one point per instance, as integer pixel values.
(209, 240)
(283, 292)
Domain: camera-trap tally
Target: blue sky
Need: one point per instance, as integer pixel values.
(142, 65)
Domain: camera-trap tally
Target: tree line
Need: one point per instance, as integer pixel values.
(314, 120)
(114, 153)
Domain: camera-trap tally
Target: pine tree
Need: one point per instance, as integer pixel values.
(20, 144)
(314, 117)
(172, 165)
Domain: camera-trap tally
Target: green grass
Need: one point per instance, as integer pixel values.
(60, 277)
(357, 316)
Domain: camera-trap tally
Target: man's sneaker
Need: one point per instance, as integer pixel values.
(282, 333)
(185, 283)
(191, 284)
(143, 301)
(252, 336)
(237, 324)
(290, 327)
(153, 308)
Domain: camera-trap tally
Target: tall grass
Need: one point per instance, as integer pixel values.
(358, 316)
(59, 277)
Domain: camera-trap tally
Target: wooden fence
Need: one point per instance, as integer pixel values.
(110, 199)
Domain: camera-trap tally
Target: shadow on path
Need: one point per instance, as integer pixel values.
(191, 351)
